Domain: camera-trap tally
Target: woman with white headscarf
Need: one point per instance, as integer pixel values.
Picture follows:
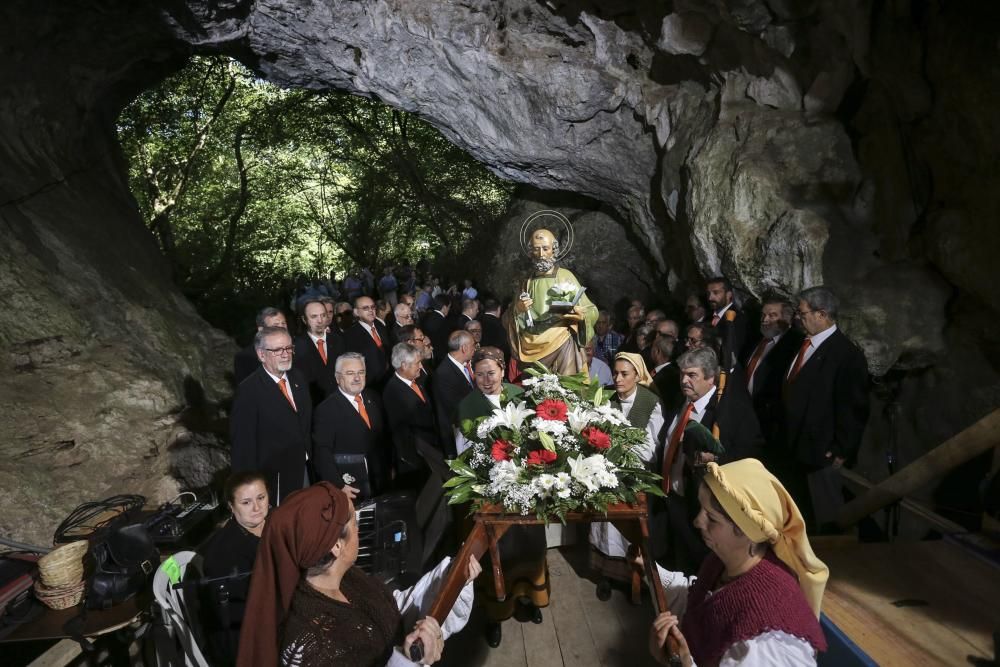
(643, 410)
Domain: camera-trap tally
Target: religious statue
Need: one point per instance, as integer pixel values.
(551, 319)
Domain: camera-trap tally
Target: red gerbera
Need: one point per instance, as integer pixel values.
(597, 438)
(541, 457)
(501, 450)
(552, 410)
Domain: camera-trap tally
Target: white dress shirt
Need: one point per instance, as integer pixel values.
(697, 414)
(816, 340)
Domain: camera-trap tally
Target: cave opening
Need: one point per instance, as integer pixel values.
(251, 189)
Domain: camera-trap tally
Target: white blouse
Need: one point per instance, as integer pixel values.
(766, 649)
(415, 603)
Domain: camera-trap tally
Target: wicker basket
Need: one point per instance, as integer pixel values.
(60, 597)
(63, 566)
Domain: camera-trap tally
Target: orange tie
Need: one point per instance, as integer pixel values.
(801, 359)
(378, 340)
(755, 359)
(675, 443)
(361, 409)
(321, 346)
(416, 388)
(284, 390)
(468, 371)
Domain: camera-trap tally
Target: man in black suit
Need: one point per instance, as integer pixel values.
(469, 312)
(494, 332)
(681, 466)
(766, 366)
(825, 408)
(317, 350)
(369, 337)
(732, 334)
(666, 375)
(415, 336)
(453, 381)
(246, 362)
(271, 417)
(350, 422)
(402, 316)
(435, 326)
(410, 415)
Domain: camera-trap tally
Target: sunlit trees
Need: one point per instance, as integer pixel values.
(245, 185)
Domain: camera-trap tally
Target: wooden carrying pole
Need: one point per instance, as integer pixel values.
(967, 444)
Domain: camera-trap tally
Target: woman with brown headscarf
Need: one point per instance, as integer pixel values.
(308, 605)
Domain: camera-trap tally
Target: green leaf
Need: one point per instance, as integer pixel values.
(547, 441)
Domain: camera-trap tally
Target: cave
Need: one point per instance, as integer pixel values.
(783, 144)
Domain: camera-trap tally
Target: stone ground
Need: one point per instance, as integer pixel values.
(578, 630)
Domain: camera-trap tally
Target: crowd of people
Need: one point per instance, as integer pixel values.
(368, 397)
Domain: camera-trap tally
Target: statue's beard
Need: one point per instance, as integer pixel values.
(544, 264)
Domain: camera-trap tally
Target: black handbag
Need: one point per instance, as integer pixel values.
(124, 561)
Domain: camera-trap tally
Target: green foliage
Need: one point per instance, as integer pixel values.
(245, 185)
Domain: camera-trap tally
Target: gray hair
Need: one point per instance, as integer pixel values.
(265, 314)
(404, 353)
(399, 308)
(820, 298)
(348, 356)
(665, 346)
(459, 338)
(703, 358)
(261, 336)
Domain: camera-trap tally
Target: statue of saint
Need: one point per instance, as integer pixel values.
(555, 337)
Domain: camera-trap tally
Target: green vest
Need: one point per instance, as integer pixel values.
(475, 406)
(642, 408)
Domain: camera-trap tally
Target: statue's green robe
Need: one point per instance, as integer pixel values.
(550, 338)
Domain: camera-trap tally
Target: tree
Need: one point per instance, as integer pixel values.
(246, 185)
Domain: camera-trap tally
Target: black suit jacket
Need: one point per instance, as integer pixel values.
(321, 378)
(339, 429)
(739, 333)
(266, 434)
(410, 420)
(667, 384)
(769, 379)
(495, 334)
(739, 431)
(826, 406)
(245, 362)
(435, 327)
(357, 339)
(450, 387)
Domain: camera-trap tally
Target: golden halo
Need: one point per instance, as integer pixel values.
(537, 220)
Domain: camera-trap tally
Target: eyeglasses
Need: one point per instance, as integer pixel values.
(366, 307)
(802, 313)
(280, 350)
(352, 374)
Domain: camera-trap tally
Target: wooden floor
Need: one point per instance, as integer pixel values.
(913, 603)
(578, 630)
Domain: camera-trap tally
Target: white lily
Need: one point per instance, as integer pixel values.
(513, 416)
(579, 418)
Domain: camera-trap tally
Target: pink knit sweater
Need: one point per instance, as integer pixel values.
(766, 598)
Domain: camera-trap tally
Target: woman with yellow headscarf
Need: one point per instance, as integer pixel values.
(756, 599)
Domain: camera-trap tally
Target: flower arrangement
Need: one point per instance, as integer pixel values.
(564, 292)
(563, 448)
